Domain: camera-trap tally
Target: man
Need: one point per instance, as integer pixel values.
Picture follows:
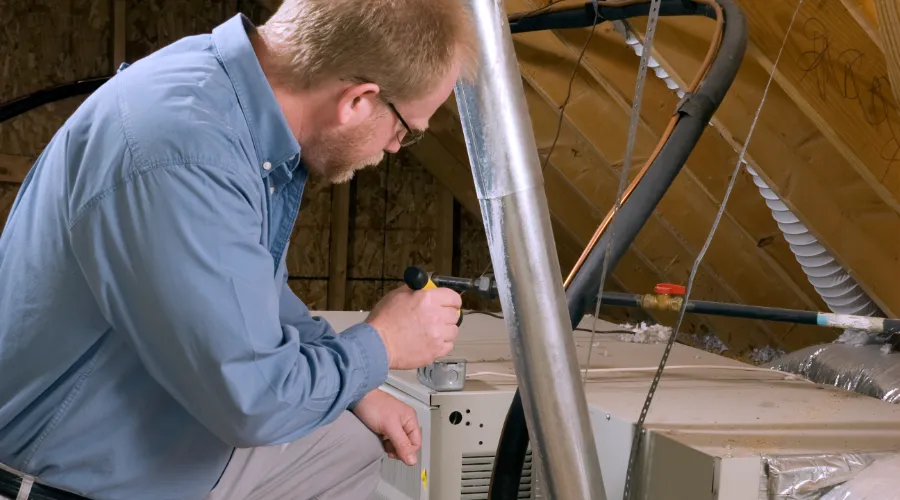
(150, 347)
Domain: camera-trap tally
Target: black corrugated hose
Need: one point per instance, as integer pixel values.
(696, 111)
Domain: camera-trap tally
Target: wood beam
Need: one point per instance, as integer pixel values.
(799, 162)
(863, 11)
(443, 252)
(838, 78)
(748, 227)
(456, 176)
(889, 28)
(14, 168)
(119, 36)
(639, 269)
(743, 270)
(8, 192)
(707, 170)
(340, 237)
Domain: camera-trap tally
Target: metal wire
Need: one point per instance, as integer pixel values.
(639, 428)
(565, 104)
(653, 16)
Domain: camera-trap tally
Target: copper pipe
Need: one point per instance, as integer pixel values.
(704, 69)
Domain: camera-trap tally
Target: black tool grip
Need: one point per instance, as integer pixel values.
(415, 278)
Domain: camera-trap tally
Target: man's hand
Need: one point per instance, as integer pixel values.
(394, 421)
(417, 327)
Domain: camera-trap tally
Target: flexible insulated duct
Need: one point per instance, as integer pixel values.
(833, 283)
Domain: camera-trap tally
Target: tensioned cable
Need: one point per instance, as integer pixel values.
(653, 16)
(639, 428)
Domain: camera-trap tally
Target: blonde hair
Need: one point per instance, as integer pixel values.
(404, 46)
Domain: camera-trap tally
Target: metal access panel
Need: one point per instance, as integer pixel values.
(457, 455)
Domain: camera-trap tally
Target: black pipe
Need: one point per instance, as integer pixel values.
(583, 17)
(20, 105)
(696, 111)
(753, 312)
(722, 309)
(892, 326)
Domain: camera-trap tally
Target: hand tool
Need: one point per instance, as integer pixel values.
(417, 279)
(445, 374)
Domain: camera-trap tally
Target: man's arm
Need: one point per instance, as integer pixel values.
(295, 312)
(311, 328)
(175, 262)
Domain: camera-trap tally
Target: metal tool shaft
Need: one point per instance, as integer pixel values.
(510, 189)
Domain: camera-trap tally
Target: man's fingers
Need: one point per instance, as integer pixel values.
(450, 315)
(389, 450)
(445, 349)
(411, 427)
(446, 297)
(404, 449)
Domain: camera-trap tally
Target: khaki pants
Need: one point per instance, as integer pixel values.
(341, 461)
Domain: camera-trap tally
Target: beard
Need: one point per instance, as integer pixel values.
(331, 154)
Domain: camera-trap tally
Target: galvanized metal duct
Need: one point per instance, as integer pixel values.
(509, 184)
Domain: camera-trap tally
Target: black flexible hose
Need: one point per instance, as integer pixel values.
(696, 111)
(16, 107)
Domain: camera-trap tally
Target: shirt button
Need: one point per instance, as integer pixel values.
(267, 166)
(272, 190)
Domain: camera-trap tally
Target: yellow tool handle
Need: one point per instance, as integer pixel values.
(417, 279)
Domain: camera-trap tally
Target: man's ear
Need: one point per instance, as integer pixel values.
(357, 103)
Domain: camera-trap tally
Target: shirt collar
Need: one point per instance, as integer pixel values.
(272, 137)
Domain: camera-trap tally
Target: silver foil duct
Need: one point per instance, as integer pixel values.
(863, 369)
(878, 481)
(809, 477)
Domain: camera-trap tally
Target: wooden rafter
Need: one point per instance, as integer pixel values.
(799, 162)
(736, 261)
(340, 237)
(457, 178)
(837, 76)
(863, 11)
(443, 251)
(655, 257)
(14, 168)
(889, 28)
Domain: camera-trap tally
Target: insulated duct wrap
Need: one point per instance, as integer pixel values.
(808, 477)
(838, 289)
(878, 481)
(865, 369)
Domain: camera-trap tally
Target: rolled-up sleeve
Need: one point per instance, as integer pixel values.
(175, 260)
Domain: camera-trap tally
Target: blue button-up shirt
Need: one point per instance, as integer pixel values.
(146, 327)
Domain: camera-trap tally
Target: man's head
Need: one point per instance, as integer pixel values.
(356, 79)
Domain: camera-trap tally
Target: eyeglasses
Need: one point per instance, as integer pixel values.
(412, 136)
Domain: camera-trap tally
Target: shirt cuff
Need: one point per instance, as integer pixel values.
(374, 357)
